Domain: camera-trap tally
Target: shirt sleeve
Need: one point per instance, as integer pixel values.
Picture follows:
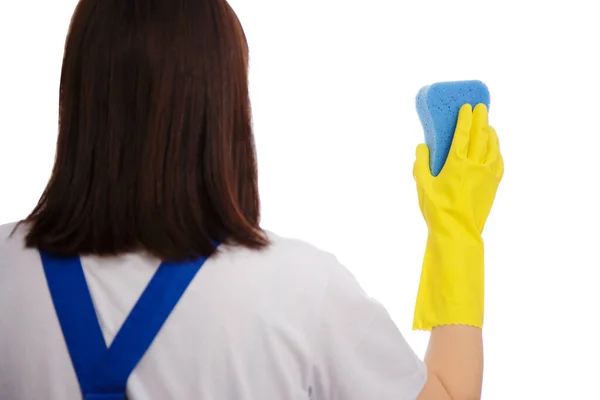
(359, 352)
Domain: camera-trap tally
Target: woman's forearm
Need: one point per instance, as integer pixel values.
(455, 356)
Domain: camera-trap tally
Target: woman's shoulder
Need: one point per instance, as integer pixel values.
(7, 228)
(11, 235)
(297, 249)
(14, 255)
(292, 255)
(289, 262)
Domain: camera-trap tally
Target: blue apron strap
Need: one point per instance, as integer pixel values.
(76, 315)
(104, 376)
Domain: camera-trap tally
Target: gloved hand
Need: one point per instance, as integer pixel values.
(455, 206)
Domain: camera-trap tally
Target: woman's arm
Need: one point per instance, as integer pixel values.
(450, 300)
(454, 362)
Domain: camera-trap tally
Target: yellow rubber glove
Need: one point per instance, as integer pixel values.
(455, 205)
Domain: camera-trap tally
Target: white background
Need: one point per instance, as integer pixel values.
(333, 86)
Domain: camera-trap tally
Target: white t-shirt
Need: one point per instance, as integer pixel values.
(288, 323)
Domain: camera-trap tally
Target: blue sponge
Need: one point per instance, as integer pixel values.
(438, 106)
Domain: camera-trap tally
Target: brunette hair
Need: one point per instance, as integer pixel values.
(155, 147)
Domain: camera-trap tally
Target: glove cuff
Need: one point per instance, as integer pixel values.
(451, 288)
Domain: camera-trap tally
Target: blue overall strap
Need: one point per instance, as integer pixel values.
(76, 315)
(102, 372)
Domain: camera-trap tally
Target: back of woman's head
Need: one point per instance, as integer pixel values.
(155, 147)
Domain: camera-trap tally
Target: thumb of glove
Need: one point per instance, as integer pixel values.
(421, 171)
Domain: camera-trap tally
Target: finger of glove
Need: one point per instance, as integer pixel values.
(494, 157)
(478, 142)
(421, 199)
(500, 167)
(421, 170)
(460, 142)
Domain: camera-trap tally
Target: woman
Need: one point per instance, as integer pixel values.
(155, 161)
